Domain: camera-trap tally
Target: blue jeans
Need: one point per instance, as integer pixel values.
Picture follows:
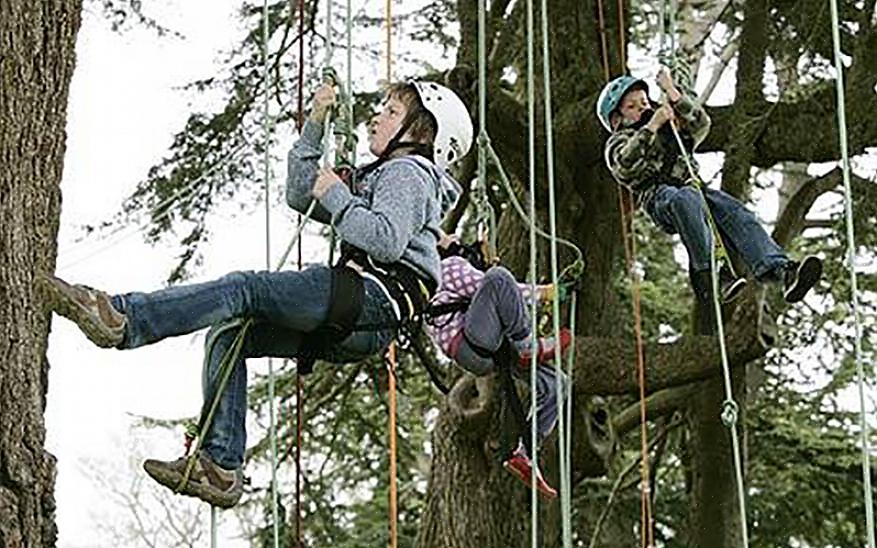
(681, 210)
(285, 307)
(497, 312)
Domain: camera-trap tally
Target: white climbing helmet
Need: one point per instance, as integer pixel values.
(454, 136)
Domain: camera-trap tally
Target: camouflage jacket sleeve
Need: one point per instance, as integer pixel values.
(631, 157)
(697, 121)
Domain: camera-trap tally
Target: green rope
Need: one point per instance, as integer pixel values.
(534, 350)
(571, 360)
(851, 260)
(225, 369)
(730, 409)
(578, 264)
(552, 216)
(267, 128)
(485, 213)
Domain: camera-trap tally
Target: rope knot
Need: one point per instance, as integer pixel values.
(730, 411)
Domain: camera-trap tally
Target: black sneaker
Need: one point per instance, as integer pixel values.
(207, 481)
(798, 278)
(730, 285)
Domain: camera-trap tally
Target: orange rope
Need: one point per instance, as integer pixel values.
(604, 47)
(391, 364)
(388, 10)
(628, 235)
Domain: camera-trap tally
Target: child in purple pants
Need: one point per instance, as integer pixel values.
(497, 310)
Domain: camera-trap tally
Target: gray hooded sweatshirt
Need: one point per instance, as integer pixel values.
(393, 214)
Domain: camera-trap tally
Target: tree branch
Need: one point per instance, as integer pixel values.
(728, 53)
(659, 404)
(470, 399)
(608, 365)
(799, 132)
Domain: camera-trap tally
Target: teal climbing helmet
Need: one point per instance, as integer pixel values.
(610, 97)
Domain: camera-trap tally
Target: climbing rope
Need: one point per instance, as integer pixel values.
(299, 379)
(485, 213)
(854, 288)
(628, 236)
(267, 129)
(391, 352)
(718, 253)
(534, 349)
(552, 216)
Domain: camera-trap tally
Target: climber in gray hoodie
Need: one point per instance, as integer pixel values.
(388, 223)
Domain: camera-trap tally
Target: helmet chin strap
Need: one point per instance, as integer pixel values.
(396, 143)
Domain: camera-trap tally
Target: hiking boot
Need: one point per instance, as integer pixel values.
(730, 286)
(88, 308)
(546, 349)
(207, 481)
(798, 278)
(520, 466)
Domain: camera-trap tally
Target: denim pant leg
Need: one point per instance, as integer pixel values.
(497, 311)
(297, 300)
(681, 210)
(225, 439)
(742, 232)
(546, 396)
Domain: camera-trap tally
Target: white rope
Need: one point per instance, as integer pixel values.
(730, 408)
(267, 124)
(552, 216)
(534, 312)
(854, 288)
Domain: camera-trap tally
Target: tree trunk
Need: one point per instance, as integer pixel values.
(714, 513)
(37, 42)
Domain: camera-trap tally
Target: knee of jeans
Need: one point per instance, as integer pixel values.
(686, 199)
(498, 277)
(238, 278)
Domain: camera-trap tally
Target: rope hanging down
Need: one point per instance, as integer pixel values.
(531, 167)
(851, 264)
(628, 236)
(299, 380)
(485, 153)
(565, 504)
(718, 255)
(391, 352)
(231, 355)
(267, 127)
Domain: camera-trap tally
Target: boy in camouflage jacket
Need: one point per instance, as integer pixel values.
(644, 155)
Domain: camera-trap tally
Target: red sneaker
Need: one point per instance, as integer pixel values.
(547, 347)
(520, 466)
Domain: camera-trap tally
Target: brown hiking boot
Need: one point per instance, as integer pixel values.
(207, 481)
(88, 308)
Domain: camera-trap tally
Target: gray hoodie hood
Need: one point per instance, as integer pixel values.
(448, 190)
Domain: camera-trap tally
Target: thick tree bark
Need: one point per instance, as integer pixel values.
(36, 62)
